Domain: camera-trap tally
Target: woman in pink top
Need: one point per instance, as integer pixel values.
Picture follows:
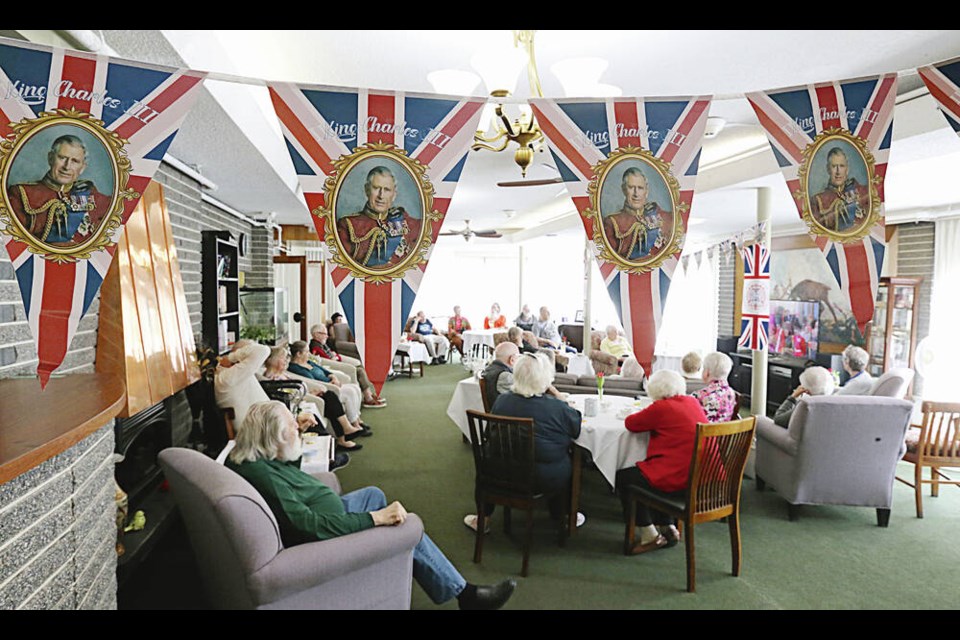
(718, 398)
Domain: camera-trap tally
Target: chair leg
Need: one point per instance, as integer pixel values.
(918, 488)
(935, 484)
(507, 520)
(883, 517)
(761, 483)
(481, 524)
(793, 511)
(628, 536)
(526, 544)
(733, 522)
(691, 559)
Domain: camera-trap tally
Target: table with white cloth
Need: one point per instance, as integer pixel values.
(473, 337)
(415, 353)
(466, 395)
(611, 446)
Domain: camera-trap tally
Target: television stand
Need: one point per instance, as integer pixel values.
(783, 376)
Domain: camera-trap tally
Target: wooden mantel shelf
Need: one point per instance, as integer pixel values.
(37, 425)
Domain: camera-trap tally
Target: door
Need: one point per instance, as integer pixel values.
(290, 274)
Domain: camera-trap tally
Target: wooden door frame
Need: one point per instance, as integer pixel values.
(302, 261)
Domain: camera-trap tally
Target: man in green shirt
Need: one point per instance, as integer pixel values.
(267, 455)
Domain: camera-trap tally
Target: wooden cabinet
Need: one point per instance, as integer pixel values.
(892, 338)
(220, 289)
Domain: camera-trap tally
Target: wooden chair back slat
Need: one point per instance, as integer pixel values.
(716, 471)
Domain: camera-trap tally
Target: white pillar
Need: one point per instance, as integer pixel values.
(758, 387)
(587, 294)
(520, 281)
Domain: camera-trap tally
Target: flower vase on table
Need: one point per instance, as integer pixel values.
(600, 387)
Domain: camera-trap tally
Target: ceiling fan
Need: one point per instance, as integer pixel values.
(533, 183)
(468, 233)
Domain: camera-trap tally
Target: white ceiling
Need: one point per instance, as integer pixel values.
(233, 137)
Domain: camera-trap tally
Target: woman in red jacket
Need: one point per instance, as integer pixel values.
(672, 422)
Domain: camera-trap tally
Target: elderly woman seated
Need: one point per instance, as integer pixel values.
(672, 422)
(855, 362)
(616, 345)
(302, 367)
(814, 381)
(556, 425)
(691, 368)
(275, 368)
(718, 399)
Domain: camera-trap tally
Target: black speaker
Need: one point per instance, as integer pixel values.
(727, 344)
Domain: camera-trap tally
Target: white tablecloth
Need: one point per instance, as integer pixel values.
(608, 441)
(465, 396)
(579, 365)
(479, 336)
(417, 351)
(604, 436)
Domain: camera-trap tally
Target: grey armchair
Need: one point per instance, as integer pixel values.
(244, 565)
(893, 383)
(840, 450)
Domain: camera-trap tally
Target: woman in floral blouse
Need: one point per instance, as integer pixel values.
(718, 398)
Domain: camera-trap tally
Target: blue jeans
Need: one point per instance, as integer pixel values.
(431, 569)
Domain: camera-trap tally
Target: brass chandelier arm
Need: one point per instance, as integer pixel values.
(477, 144)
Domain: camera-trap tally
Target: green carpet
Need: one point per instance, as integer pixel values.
(830, 558)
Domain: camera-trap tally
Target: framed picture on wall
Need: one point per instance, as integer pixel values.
(579, 316)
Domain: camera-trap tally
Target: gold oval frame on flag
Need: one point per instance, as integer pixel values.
(813, 213)
(119, 167)
(603, 170)
(337, 236)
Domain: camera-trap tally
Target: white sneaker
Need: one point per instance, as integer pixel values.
(580, 519)
(471, 522)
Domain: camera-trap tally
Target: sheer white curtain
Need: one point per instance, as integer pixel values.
(940, 372)
(689, 320)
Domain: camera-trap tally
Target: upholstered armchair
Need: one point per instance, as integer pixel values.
(893, 383)
(840, 450)
(602, 362)
(344, 343)
(244, 565)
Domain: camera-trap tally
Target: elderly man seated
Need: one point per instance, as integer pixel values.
(267, 455)
(546, 332)
(814, 381)
(320, 348)
(420, 329)
(498, 375)
(855, 362)
(525, 340)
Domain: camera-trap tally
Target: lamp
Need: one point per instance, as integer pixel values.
(580, 77)
(500, 70)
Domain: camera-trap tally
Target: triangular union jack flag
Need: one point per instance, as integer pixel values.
(630, 165)
(831, 141)
(755, 307)
(83, 135)
(378, 170)
(943, 81)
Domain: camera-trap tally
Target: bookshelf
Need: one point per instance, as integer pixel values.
(220, 290)
(892, 338)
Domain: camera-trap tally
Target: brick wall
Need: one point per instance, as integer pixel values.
(915, 244)
(725, 310)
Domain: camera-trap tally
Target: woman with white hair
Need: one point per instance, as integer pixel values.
(814, 381)
(717, 398)
(616, 345)
(555, 423)
(855, 362)
(672, 422)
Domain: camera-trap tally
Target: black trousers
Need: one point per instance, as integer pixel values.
(332, 410)
(645, 515)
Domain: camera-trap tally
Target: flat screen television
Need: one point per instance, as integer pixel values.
(794, 328)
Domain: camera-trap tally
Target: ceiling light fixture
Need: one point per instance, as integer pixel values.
(500, 70)
(580, 78)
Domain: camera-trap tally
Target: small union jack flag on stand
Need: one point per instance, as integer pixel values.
(943, 81)
(378, 170)
(831, 141)
(755, 307)
(83, 135)
(593, 140)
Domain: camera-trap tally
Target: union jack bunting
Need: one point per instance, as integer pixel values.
(582, 135)
(323, 126)
(798, 122)
(755, 308)
(943, 81)
(117, 119)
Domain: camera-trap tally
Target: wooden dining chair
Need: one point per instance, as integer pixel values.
(484, 395)
(716, 473)
(937, 445)
(506, 473)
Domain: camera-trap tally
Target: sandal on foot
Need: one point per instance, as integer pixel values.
(471, 522)
(657, 543)
(672, 534)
